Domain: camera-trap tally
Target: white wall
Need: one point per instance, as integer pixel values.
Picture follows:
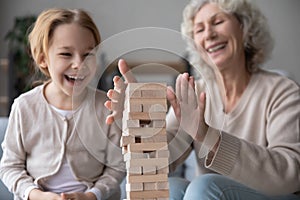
(115, 16)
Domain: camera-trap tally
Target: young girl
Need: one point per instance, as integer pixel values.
(57, 145)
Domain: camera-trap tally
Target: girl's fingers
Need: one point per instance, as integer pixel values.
(125, 71)
(119, 84)
(113, 95)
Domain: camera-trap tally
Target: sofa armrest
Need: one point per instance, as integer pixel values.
(4, 193)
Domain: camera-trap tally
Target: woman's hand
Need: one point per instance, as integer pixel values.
(117, 95)
(188, 109)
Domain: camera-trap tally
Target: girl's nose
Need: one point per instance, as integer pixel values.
(77, 62)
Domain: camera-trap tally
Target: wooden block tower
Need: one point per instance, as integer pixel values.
(144, 141)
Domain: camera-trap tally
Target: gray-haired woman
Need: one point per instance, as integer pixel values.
(242, 121)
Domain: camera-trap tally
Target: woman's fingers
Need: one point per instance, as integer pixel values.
(192, 99)
(184, 86)
(178, 88)
(202, 103)
(173, 101)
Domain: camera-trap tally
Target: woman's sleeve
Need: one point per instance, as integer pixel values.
(179, 142)
(274, 168)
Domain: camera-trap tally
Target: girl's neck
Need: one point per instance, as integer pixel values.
(61, 100)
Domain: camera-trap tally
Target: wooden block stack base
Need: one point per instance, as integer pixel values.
(144, 142)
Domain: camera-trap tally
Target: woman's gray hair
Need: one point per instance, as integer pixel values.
(258, 43)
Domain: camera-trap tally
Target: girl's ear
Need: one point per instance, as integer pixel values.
(43, 61)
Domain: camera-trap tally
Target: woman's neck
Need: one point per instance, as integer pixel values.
(235, 84)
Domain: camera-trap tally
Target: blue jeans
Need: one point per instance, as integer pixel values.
(216, 187)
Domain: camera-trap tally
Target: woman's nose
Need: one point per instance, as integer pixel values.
(210, 33)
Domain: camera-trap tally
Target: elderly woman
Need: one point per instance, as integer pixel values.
(242, 121)
(251, 129)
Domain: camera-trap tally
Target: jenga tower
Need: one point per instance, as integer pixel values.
(144, 141)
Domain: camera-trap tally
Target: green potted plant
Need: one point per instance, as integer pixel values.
(20, 62)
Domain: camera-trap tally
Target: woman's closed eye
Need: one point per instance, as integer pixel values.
(198, 29)
(218, 21)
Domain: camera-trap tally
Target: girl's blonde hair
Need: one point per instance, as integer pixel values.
(258, 43)
(42, 32)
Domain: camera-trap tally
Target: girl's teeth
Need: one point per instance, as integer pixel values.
(75, 78)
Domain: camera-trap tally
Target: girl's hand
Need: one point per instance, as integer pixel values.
(78, 196)
(117, 95)
(189, 109)
(37, 194)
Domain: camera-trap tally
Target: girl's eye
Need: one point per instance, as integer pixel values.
(65, 54)
(89, 54)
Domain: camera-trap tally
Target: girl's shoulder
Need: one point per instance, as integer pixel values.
(30, 97)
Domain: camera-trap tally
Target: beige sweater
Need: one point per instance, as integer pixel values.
(37, 138)
(260, 141)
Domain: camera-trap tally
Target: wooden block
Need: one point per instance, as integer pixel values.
(146, 116)
(145, 131)
(162, 185)
(138, 147)
(162, 102)
(136, 199)
(148, 169)
(159, 154)
(160, 163)
(133, 155)
(127, 123)
(134, 186)
(124, 150)
(127, 139)
(146, 178)
(134, 170)
(148, 194)
(131, 107)
(159, 123)
(154, 94)
(150, 186)
(162, 169)
(145, 86)
(154, 139)
(153, 108)
(132, 92)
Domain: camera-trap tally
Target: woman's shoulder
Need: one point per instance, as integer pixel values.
(275, 79)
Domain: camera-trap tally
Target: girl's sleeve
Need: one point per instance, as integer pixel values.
(114, 171)
(13, 163)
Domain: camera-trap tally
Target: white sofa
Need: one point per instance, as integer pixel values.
(4, 193)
